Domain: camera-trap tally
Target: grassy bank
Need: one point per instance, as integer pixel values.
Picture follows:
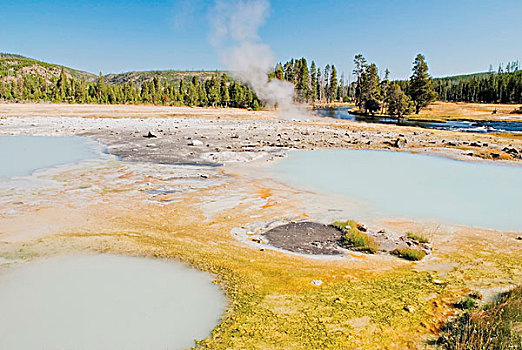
(444, 111)
(495, 326)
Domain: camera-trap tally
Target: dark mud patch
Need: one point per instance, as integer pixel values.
(306, 238)
(319, 239)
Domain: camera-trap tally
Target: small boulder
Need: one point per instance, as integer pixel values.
(195, 143)
(409, 308)
(150, 135)
(362, 227)
(400, 142)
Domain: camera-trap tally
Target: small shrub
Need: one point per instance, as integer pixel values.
(418, 238)
(475, 295)
(342, 225)
(355, 238)
(517, 111)
(467, 303)
(409, 253)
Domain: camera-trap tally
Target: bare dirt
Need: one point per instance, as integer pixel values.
(306, 238)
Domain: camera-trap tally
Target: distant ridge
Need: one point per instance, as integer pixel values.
(466, 76)
(171, 76)
(17, 66)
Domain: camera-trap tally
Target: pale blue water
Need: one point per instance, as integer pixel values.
(106, 302)
(22, 154)
(410, 185)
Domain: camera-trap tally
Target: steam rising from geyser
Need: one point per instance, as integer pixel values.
(236, 25)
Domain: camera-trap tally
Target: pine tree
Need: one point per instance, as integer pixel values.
(302, 76)
(214, 91)
(360, 67)
(398, 103)
(313, 82)
(101, 90)
(332, 85)
(421, 85)
(62, 85)
(225, 95)
(319, 86)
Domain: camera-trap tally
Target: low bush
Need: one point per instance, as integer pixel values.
(418, 238)
(409, 253)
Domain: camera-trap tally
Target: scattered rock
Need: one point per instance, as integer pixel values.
(151, 145)
(150, 135)
(511, 151)
(409, 308)
(400, 142)
(195, 143)
(362, 227)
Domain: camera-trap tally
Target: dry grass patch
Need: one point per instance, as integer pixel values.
(355, 238)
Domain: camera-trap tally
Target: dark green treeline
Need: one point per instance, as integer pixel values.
(218, 91)
(502, 87)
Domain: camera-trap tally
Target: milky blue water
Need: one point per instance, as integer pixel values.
(106, 302)
(22, 154)
(409, 185)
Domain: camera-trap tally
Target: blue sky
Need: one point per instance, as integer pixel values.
(457, 36)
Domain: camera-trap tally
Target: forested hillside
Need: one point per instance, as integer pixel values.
(14, 66)
(27, 79)
(170, 76)
(503, 87)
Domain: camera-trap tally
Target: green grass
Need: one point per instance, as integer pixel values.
(409, 253)
(496, 326)
(418, 238)
(355, 238)
(468, 303)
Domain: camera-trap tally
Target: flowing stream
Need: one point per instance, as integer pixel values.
(455, 125)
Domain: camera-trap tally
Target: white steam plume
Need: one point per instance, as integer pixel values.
(235, 35)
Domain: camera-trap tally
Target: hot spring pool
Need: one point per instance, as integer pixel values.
(22, 154)
(106, 302)
(404, 184)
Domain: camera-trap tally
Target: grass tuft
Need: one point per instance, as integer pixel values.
(409, 253)
(418, 238)
(355, 238)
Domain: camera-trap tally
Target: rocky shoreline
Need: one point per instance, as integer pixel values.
(183, 140)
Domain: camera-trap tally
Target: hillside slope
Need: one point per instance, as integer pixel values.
(171, 76)
(17, 66)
